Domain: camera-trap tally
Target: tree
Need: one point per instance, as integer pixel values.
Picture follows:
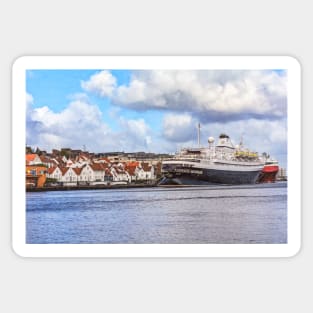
(29, 150)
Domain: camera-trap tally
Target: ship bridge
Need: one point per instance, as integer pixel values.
(225, 142)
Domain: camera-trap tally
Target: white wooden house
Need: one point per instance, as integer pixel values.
(145, 171)
(98, 171)
(131, 170)
(120, 175)
(69, 176)
(87, 174)
(55, 173)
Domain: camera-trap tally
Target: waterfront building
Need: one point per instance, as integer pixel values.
(131, 169)
(32, 159)
(47, 161)
(87, 174)
(69, 176)
(55, 173)
(35, 176)
(145, 171)
(86, 169)
(119, 174)
(98, 171)
(282, 174)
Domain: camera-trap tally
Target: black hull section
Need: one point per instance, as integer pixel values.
(211, 176)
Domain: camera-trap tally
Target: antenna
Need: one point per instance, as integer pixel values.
(241, 140)
(199, 126)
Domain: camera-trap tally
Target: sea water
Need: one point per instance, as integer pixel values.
(181, 215)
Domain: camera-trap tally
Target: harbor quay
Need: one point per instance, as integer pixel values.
(69, 169)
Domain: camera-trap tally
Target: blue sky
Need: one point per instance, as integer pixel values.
(55, 89)
(155, 110)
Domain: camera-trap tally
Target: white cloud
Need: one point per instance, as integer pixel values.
(102, 83)
(81, 96)
(178, 128)
(80, 123)
(208, 95)
(211, 94)
(29, 99)
(135, 134)
(29, 103)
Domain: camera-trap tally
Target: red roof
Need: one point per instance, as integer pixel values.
(64, 170)
(77, 170)
(98, 166)
(52, 169)
(108, 172)
(59, 160)
(146, 167)
(131, 169)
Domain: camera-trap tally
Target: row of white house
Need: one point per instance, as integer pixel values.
(101, 173)
(34, 159)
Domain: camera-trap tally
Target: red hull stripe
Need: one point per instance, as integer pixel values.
(270, 169)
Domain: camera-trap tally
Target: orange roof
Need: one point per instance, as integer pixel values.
(36, 167)
(132, 163)
(31, 157)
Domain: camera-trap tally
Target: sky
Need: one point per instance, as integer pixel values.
(156, 110)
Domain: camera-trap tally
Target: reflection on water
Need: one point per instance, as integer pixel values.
(211, 214)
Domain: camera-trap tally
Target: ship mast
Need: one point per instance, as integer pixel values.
(199, 134)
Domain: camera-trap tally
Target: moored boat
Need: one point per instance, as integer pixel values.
(222, 163)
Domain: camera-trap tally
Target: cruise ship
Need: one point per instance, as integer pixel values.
(221, 163)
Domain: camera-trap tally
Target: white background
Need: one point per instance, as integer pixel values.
(169, 28)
